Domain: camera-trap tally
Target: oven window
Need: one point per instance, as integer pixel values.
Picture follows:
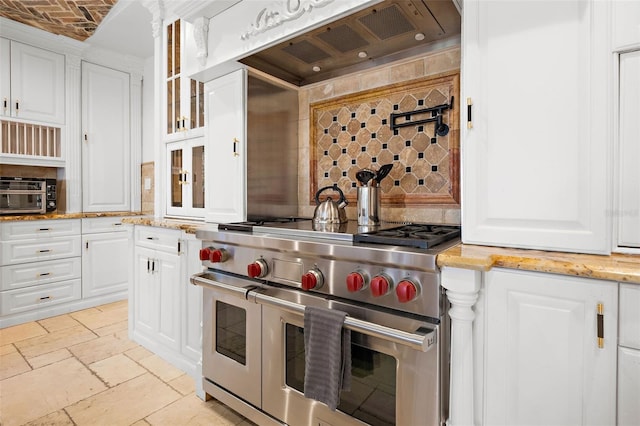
(372, 398)
(231, 332)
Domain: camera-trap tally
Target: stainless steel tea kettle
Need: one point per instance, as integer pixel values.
(329, 211)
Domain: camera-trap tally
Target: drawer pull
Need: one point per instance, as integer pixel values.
(44, 229)
(117, 224)
(151, 238)
(44, 274)
(45, 298)
(44, 251)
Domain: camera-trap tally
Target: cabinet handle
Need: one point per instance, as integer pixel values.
(179, 246)
(117, 224)
(4, 105)
(44, 274)
(44, 251)
(235, 147)
(17, 106)
(45, 298)
(600, 316)
(469, 120)
(86, 245)
(153, 266)
(86, 137)
(44, 229)
(148, 264)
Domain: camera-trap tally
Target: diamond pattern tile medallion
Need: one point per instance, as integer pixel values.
(354, 132)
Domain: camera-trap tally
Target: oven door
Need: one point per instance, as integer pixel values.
(392, 383)
(19, 201)
(231, 349)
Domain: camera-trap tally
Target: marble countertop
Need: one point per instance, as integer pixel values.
(616, 267)
(48, 216)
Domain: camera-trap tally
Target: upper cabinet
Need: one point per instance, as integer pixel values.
(106, 139)
(538, 138)
(31, 83)
(628, 154)
(184, 97)
(226, 158)
(186, 178)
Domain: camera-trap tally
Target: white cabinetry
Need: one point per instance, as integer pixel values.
(31, 83)
(39, 268)
(226, 148)
(535, 159)
(629, 356)
(106, 147)
(543, 360)
(628, 155)
(186, 178)
(164, 308)
(106, 256)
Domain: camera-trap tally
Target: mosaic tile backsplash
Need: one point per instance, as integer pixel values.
(354, 132)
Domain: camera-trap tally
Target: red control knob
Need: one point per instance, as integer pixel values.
(257, 269)
(205, 253)
(312, 280)
(406, 291)
(355, 282)
(380, 285)
(218, 255)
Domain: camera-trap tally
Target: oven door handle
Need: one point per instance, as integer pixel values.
(420, 342)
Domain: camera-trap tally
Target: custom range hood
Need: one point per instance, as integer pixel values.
(389, 31)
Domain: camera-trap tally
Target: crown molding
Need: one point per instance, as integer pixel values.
(34, 36)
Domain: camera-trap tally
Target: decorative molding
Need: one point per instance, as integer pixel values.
(281, 12)
(157, 9)
(201, 36)
(463, 287)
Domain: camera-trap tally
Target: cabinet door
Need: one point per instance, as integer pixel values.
(186, 174)
(5, 76)
(543, 360)
(535, 159)
(168, 284)
(105, 263)
(628, 211)
(37, 84)
(628, 387)
(106, 177)
(145, 310)
(226, 148)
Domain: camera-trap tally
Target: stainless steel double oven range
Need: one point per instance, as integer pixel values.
(258, 279)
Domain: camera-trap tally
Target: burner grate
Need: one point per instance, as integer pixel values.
(415, 235)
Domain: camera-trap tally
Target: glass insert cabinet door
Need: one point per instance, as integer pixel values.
(185, 186)
(184, 97)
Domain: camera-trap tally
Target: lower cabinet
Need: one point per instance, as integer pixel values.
(106, 256)
(629, 356)
(544, 362)
(164, 308)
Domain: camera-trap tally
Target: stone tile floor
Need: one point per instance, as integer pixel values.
(81, 369)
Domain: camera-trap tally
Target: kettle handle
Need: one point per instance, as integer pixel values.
(335, 188)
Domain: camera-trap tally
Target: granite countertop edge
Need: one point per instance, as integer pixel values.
(615, 267)
(56, 216)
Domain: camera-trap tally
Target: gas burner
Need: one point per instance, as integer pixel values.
(422, 236)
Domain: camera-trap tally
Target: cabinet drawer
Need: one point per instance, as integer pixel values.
(95, 225)
(28, 274)
(36, 229)
(158, 238)
(15, 252)
(37, 297)
(629, 316)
